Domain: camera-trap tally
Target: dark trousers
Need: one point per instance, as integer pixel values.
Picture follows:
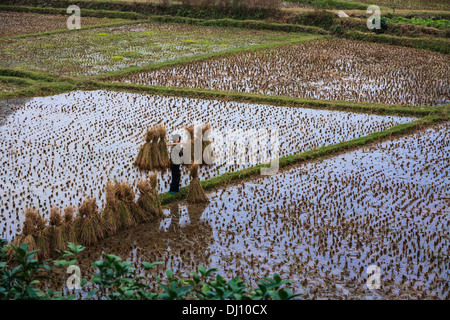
(176, 175)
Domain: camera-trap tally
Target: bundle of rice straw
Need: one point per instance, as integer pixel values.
(42, 239)
(149, 200)
(164, 160)
(88, 223)
(145, 158)
(154, 155)
(121, 212)
(28, 234)
(55, 231)
(69, 225)
(196, 194)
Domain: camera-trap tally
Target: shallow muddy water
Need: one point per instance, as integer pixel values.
(57, 150)
(320, 224)
(334, 69)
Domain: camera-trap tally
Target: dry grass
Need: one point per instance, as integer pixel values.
(121, 211)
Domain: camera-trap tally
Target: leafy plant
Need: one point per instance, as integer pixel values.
(116, 279)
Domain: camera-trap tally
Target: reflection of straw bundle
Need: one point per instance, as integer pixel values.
(164, 161)
(149, 200)
(196, 194)
(88, 223)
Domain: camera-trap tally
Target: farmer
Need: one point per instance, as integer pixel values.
(175, 168)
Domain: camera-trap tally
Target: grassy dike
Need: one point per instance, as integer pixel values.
(436, 45)
(33, 83)
(284, 101)
(316, 154)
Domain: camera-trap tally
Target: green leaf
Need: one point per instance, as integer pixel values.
(148, 266)
(92, 293)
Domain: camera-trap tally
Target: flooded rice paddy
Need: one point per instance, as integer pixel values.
(60, 149)
(320, 224)
(334, 69)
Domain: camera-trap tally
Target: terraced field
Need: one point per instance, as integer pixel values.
(332, 70)
(322, 224)
(360, 131)
(90, 138)
(102, 50)
(20, 23)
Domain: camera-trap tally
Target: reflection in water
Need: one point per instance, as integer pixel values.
(321, 224)
(180, 240)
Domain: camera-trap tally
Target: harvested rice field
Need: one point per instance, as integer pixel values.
(321, 224)
(102, 50)
(92, 137)
(334, 69)
(19, 23)
(214, 158)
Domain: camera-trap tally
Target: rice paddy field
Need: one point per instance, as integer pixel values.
(88, 141)
(322, 224)
(360, 131)
(322, 69)
(102, 50)
(20, 23)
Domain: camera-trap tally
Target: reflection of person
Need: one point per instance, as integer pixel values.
(175, 168)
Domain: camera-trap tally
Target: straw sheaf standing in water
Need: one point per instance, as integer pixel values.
(196, 194)
(120, 210)
(89, 223)
(149, 201)
(55, 231)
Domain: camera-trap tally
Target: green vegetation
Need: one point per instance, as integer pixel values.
(334, 4)
(428, 22)
(383, 4)
(437, 45)
(84, 12)
(232, 9)
(116, 279)
(410, 4)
